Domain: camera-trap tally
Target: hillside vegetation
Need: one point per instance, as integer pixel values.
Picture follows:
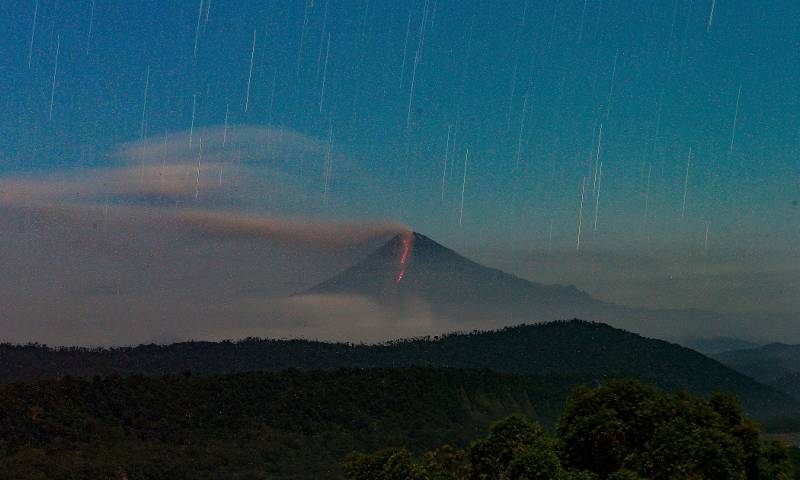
(623, 430)
(289, 424)
(302, 424)
(583, 351)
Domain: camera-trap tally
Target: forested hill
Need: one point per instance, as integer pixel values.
(257, 425)
(588, 352)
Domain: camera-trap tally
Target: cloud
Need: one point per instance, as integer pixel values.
(141, 250)
(228, 181)
(346, 318)
(260, 169)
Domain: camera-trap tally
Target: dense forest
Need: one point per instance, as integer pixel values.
(623, 430)
(312, 424)
(584, 351)
(288, 424)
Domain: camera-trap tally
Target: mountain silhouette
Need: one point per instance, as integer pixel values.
(568, 352)
(776, 364)
(411, 267)
(414, 266)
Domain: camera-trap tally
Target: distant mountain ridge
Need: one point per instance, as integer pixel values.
(586, 352)
(718, 344)
(775, 364)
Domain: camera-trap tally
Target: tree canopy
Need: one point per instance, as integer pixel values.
(623, 430)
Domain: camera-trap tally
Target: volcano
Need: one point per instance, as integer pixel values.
(413, 266)
(412, 269)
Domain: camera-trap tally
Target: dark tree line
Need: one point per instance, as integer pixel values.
(584, 351)
(624, 430)
(291, 424)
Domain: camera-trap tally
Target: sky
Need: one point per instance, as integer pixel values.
(477, 123)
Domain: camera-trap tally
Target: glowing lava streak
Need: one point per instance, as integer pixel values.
(406, 242)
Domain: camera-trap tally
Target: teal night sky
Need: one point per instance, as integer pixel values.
(402, 90)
